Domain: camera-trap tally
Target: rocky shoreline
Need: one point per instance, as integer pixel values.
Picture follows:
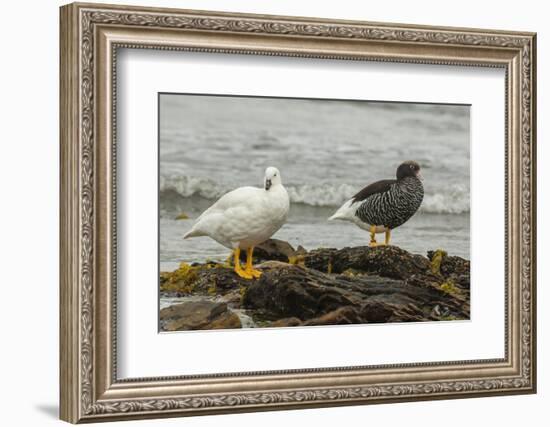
(321, 287)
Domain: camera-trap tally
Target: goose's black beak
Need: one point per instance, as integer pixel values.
(267, 184)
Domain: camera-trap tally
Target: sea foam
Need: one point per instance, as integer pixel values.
(453, 199)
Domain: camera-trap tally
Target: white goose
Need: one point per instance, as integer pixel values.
(244, 218)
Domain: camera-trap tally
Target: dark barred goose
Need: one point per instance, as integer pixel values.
(384, 205)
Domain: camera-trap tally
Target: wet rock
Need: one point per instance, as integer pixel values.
(300, 250)
(455, 270)
(310, 295)
(331, 286)
(451, 265)
(272, 249)
(233, 298)
(197, 315)
(385, 261)
(377, 312)
(293, 291)
(341, 316)
(287, 321)
(201, 279)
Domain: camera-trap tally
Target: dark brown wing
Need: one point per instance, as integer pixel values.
(375, 187)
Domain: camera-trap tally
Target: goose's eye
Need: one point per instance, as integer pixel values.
(411, 166)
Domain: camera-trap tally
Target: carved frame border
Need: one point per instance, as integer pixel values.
(89, 388)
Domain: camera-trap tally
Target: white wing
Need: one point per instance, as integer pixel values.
(239, 199)
(240, 196)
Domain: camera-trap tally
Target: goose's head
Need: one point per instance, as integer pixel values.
(408, 168)
(272, 177)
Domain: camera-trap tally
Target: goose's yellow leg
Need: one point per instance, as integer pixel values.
(238, 269)
(388, 236)
(249, 268)
(373, 236)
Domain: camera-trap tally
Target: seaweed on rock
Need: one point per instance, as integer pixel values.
(332, 286)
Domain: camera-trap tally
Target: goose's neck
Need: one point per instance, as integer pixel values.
(274, 188)
(410, 181)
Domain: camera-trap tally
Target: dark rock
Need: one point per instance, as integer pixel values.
(376, 312)
(328, 286)
(309, 295)
(341, 316)
(272, 249)
(201, 279)
(454, 269)
(450, 265)
(287, 321)
(293, 291)
(300, 250)
(385, 261)
(232, 299)
(195, 315)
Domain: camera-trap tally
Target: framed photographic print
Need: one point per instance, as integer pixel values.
(266, 212)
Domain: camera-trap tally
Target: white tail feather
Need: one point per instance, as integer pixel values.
(193, 233)
(345, 213)
(336, 216)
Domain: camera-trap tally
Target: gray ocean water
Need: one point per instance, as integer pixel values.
(326, 151)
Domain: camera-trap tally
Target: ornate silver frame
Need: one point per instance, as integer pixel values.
(90, 36)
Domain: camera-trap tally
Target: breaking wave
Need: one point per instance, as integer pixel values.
(454, 200)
